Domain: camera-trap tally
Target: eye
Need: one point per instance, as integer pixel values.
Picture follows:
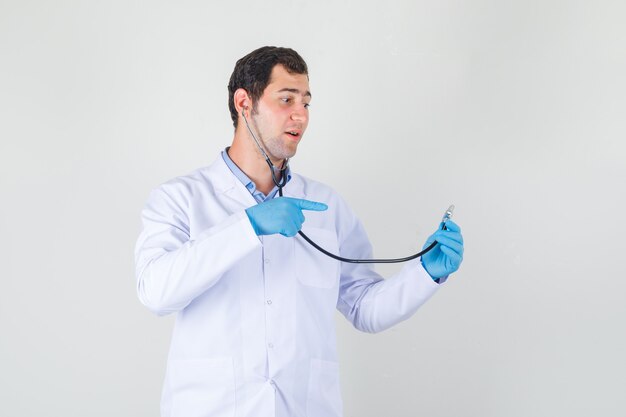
(286, 99)
(307, 105)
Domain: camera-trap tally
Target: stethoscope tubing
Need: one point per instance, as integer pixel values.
(356, 261)
(283, 181)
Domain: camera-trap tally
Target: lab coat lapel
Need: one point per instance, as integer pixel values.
(229, 191)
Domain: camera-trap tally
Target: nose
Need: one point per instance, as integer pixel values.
(300, 114)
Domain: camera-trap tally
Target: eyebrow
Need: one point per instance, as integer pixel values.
(295, 91)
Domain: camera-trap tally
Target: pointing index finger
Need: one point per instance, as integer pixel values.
(310, 205)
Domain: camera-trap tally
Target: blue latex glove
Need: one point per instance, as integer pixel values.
(281, 215)
(447, 255)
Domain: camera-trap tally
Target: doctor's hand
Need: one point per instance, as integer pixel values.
(281, 215)
(447, 255)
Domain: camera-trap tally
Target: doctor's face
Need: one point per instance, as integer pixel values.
(281, 115)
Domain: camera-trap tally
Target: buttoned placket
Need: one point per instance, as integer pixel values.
(270, 313)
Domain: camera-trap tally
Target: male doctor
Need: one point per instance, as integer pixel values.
(255, 333)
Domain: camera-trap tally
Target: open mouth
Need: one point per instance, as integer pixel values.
(293, 133)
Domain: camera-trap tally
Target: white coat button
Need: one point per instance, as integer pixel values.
(267, 261)
(272, 382)
(270, 345)
(269, 302)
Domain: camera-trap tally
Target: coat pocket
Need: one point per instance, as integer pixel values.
(312, 267)
(203, 387)
(324, 394)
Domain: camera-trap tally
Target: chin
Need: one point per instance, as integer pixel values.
(285, 153)
(292, 153)
(278, 149)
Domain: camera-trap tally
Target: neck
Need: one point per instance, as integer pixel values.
(249, 159)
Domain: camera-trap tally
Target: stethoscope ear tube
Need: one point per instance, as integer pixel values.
(283, 180)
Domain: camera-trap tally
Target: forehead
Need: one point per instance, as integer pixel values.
(281, 79)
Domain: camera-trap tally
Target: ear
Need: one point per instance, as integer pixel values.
(242, 100)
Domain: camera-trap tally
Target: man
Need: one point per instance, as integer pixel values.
(254, 333)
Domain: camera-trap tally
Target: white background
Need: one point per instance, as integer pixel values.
(515, 111)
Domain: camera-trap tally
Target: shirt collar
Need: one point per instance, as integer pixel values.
(246, 181)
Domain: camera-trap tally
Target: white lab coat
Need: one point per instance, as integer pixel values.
(255, 331)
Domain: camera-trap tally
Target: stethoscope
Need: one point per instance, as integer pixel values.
(283, 181)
